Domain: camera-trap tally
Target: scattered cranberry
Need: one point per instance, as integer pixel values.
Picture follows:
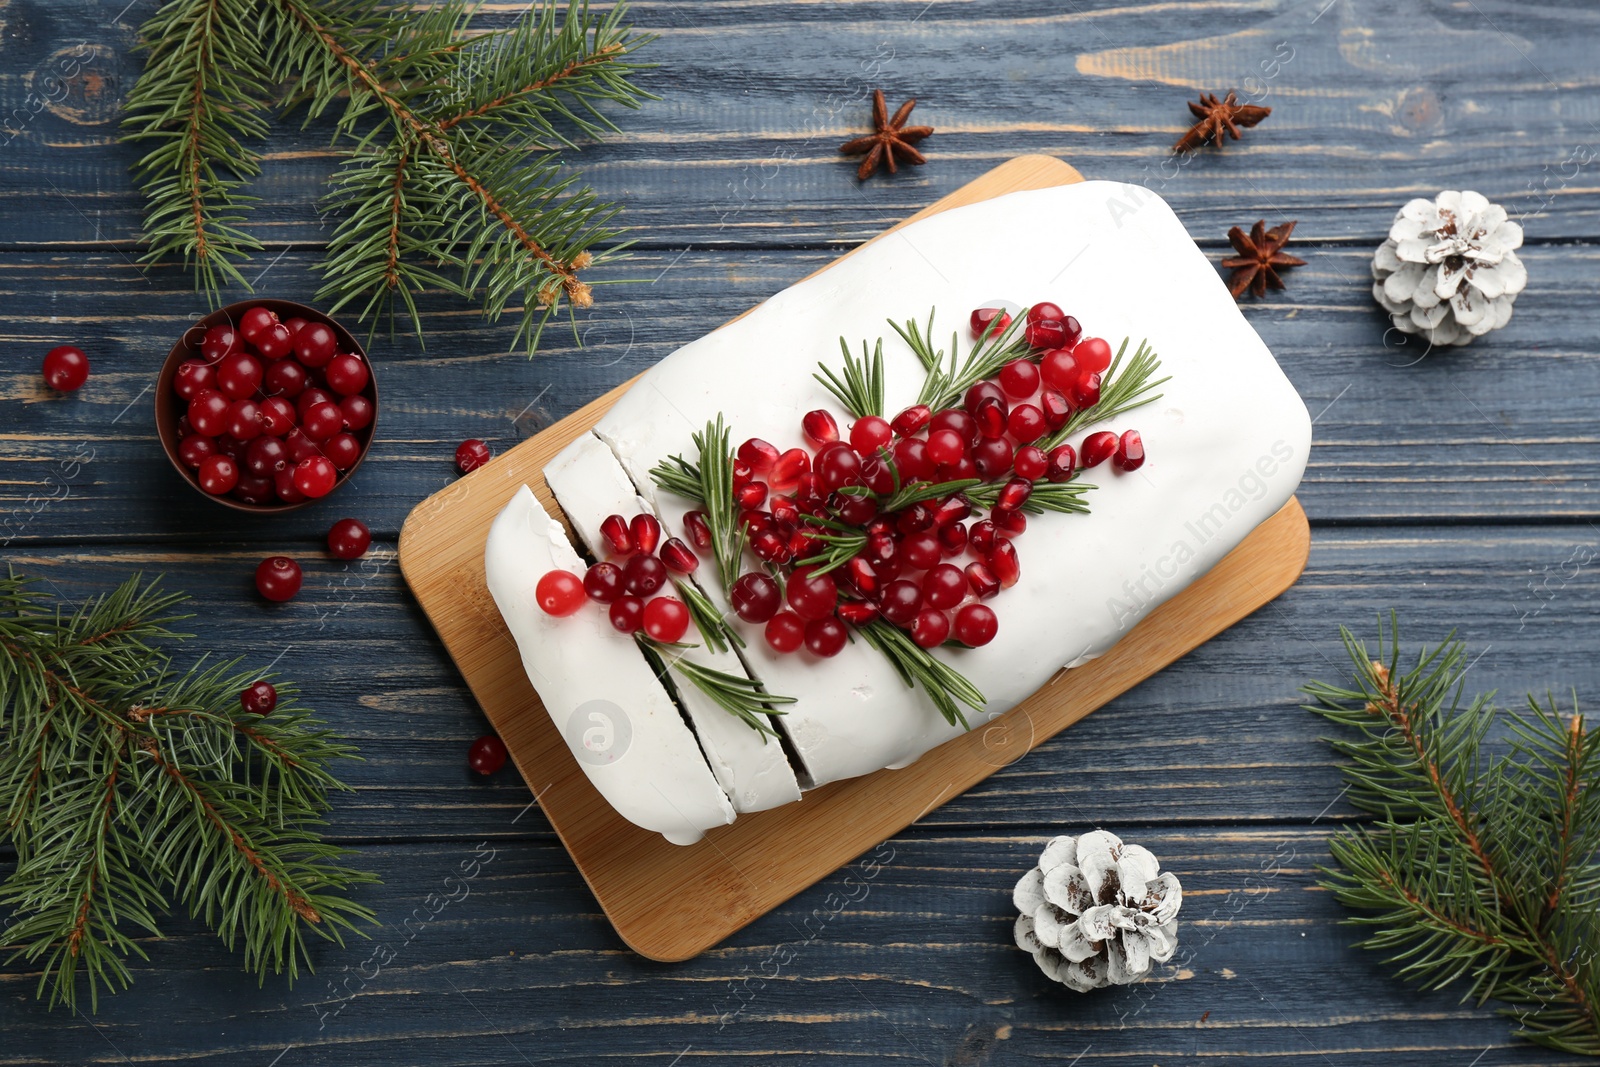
(921, 551)
(277, 416)
(1130, 451)
(278, 578)
(902, 599)
(259, 698)
(958, 420)
(266, 456)
(559, 592)
(785, 631)
(837, 466)
(945, 446)
(627, 614)
(1060, 370)
(869, 434)
(275, 342)
(1098, 447)
(342, 450)
(244, 420)
(976, 625)
(1019, 379)
(66, 368)
(208, 413)
(603, 583)
(192, 378)
(349, 539)
(825, 637)
(1094, 354)
(666, 619)
(322, 421)
(239, 376)
(755, 597)
(471, 454)
(487, 755)
(1031, 463)
(218, 474)
(644, 575)
(193, 450)
(310, 398)
(220, 341)
(315, 475)
(993, 457)
(285, 378)
(812, 595)
(254, 323)
(930, 628)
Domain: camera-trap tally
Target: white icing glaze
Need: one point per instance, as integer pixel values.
(589, 484)
(645, 762)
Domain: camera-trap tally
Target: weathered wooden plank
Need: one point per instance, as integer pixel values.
(1501, 431)
(1217, 737)
(904, 957)
(1373, 104)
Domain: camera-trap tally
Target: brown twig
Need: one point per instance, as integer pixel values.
(604, 55)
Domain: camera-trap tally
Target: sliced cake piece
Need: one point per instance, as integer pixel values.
(627, 734)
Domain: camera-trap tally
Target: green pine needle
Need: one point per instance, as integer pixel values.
(860, 389)
(945, 686)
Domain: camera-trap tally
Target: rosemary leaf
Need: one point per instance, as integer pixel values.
(737, 694)
(1120, 390)
(944, 685)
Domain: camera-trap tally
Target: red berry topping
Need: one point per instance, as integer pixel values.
(857, 612)
(1057, 409)
(811, 595)
(1030, 462)
(602, 583)
(314, 344)
(785, 631)
(349, 539)
(982, 581)
(837, 466)
(278, 578)
(901, 601)
(943, 587)
(750, 494)
(1010, 523)
(244, 420)
(470, 455)
(644, 575)
(487, 755)
(1003, 561)
(266, 456)
(755, 597)
(1046, 310)
(1013, 495)
(1094, 355)
(254, 322)
(1060, 369)
(346, 374)
(1063, 464)
(192, 378)
(945, 446)
(1098, 447)
(626, 614)
(953, 538)
(991, 416)
(678, 557)
(208, 413)
(1027, 423)
(992, 458)
(930, 628)
(1019, 379)
(982, 317)
(819, 428)
(1130, 451)
(66, 368)
(962, 422)
(259, 699)
(218, 474)
(646, 531)
(758, 455)
(825, 637)
(619, 536)
(982, 536)
(314, 476)
(912, 420)
(666, 619)
(192, 450)
(976, 625)
(869, 434)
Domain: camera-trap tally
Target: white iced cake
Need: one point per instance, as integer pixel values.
(1128, 490)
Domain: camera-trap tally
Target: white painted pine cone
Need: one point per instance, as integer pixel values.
(1449, 270)
(1096, 912)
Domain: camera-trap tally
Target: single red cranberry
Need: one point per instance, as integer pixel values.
(310, 397)
(825, 637)
(953, 538)
(981, 391)
(470, 455)
(981, 580)
(1057, 409)
(911, 457)
(962, 422)
(666, 619)
(253, 489)
(755, 597)
(66, 368)
(856, 509)
(837, 466)
(277, 416)
(982, 535)
(266, 456)
(244, 420)
(603, 583)
(1002, 559)
(559, 592)
(992, 457)
(945, 446)
(239, 375)
(812, 595)
(220, 341)
(912, 420)
(1047, 333)
(619, 537)
(921, 550)
(278, 578)
(346, 374)
(218, 474)
(991, 415)
(960, 470)
(1094, 354)
(1098, 447)
(750, 494)
(259, 698)
(644, 575)
(1010, 523)
(1030, 462)
(678, 557)
(1063, 464)
(283, 485)
(1060, 370)
(1013, 494)
(284, 378)
(254, 322)
(295, 325)
(758, 454)
(487, 755)
(869, 434)
(231, 447)
(358, 412)
(943, 586)
(349, 539)
(626, 614)
(322, 421)
(343, 450)
(1027, 423)
(770, 546)
(300, 446)
(314, 344)
(901, 600)
(192, 378)
(208, 413)
(1044, 309)
(982, 318)
(1086, 392)
(930, 628)
(646, 532)
(275, 343)
(858, 612)
(819, 428)
(192, 450)
(315, 475)
(694, 525)
(786, 472)
(785, 631)
(976, 625)
(1130, 451)
(1019, 379)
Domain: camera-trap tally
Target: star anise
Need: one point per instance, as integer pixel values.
(1260, 256)
(1218, 117)
(893, 138)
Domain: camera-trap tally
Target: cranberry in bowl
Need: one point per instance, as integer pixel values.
(266, 405)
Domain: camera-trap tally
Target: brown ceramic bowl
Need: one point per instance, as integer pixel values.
(170, 407)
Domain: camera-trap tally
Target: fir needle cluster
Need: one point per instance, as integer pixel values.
(452, 175)
(1480, 867)
(129, 787)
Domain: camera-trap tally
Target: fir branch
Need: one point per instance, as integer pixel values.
(860, 390)
(945, 686)
(127, 784)
(1121, 389)
(1476, 868)
(1063, 497)
(737, 694)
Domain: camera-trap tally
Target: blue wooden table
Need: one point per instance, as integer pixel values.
(1459, 487)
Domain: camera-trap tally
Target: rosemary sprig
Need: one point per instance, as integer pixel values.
(943, 683)
(992, 350)
(861, 388)
(917, 492)
(1063, 497)
(680, 477)
(710, 484)
(736, 694)
(1120, 390)
(711, 623)
(843, 544)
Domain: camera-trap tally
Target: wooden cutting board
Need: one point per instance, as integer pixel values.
(670, 902)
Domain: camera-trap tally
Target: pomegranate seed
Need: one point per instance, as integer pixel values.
(870, 434)
(992, 458)
(1086, 392)
(614, 528)
(982, 317)
(838, 465)
(921, 551)
(1013, 495)
(1057, 409)
(863, 577)
(855, 509)
(962, 422)
(1046, 333)
(1019, 379)
(771, 546)
(1094, 354)
(646, 531)
(914, 518)
(1031, 462)
(603, 583)
(644, 575)
(982, 535)
(808, 492)
(694, 524)
(559, 593)
(953, 509)
(880, 546)
(981, 391)
(901, 601)
(943, 586)
(911, 457)
(930, 629)
(1059, 368)
(753, 521)
(783, 511)
(1130, 451)
(912, 420)
(678, 557)
(1026, 423)
(981, 580)
(991, 416)
(953, 538)
(812, 595)
(741, 473)
(945, 446)
(802, 545)
(819, 428)
(751, 494)
(1011, 523)
(1063, 464)
(857, 612)
(880, 525)
(786, 472)
(1002, 559)
(758, 454)
(1098, 447)
(666, 619)
(755, 597)
(825, 637)
(627, 614)
(878, 474)
(785, 631)
(976, 625)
